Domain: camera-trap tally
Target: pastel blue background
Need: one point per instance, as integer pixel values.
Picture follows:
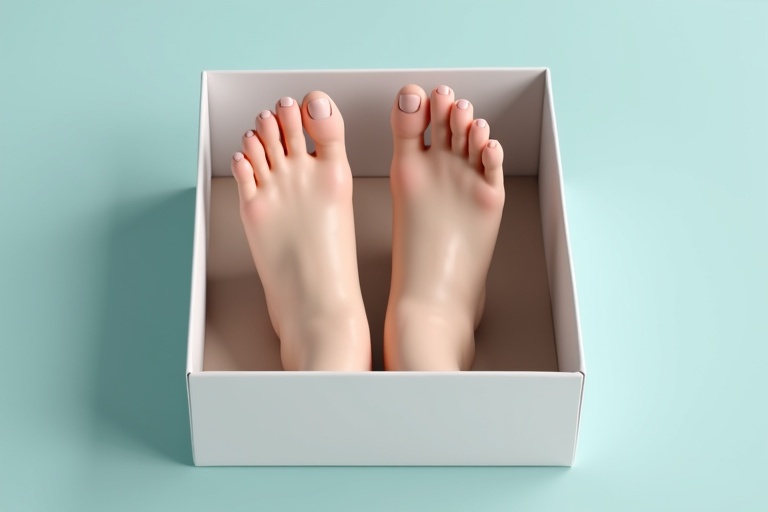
(662, 109)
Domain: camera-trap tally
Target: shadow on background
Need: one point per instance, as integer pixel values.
(139, 382)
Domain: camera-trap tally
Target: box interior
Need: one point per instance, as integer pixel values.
(520, 329)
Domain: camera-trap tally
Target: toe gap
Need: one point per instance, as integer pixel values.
(310, 142)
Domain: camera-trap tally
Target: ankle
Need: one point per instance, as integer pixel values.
(334, 339)
(421, 336)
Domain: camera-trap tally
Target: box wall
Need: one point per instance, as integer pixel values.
(510, 102)
(196, 332)
(557, 251)
(327, 418)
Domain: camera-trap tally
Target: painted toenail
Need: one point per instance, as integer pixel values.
(493, 144)
(249, 133)
(286, 101)
(265, 114)
(481, 123)
(462, 104)
(409, 103)
(319, 108)
(237, 156)
(444, 89)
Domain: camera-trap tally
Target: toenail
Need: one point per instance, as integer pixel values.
(319, 108)
(249, 133)
(237, 156)
(493, 144)
(462, 104)
(481, 123)
(286, 101)
(409, 103)
(444, 89)
(265, 114)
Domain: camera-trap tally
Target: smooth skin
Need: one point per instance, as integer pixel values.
(447, 199)
(296, 209)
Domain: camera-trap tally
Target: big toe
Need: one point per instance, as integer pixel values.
(324, 124)
(409, 118)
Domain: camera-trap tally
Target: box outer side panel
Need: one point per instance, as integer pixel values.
(414, 418)
(196, 330)
(509, 99)
(570, 352)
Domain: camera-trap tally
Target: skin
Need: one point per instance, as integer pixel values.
(447, 199)
(296, 210)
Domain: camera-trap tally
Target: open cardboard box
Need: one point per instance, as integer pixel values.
(520, 403)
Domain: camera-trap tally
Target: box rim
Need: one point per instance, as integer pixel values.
(375, 70)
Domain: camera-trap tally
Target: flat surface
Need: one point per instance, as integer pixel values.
(315, 418)
(663, 120)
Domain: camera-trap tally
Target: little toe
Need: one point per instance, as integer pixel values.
(243, 173)
(461, 119)
(289, 118)
(324, 124)
(269, 134)
(254, 151)
(409, 118)
(493, 158)
(442, 101)
(478, 138)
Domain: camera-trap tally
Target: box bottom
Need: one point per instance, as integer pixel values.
(516, 333)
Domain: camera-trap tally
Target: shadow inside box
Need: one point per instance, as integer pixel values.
(139, 378)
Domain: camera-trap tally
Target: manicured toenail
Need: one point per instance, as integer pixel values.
(237, 156)
(444, 89)
(492, 144)
(286, 101)
(481, 123)
(462, 104)
(319, 108)
(409, 103)
(265, 114)
(249, 133)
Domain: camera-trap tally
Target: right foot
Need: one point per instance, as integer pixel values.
(296, 209)
(447, 201)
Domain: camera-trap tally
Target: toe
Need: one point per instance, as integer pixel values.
(409, 118)
(478, 138)
(289, 119)
(442, 100)
(461, 119)
(324, 124)
(493, 158)
(243, 173)
(269, 133)
(254, 151)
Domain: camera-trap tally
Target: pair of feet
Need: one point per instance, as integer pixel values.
(296, 209)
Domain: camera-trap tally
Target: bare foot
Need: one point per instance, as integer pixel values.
(447, 201)
(296, 209)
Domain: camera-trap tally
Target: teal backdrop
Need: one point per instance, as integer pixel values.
(662, 109)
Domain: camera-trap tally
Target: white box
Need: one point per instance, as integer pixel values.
(521, 402)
